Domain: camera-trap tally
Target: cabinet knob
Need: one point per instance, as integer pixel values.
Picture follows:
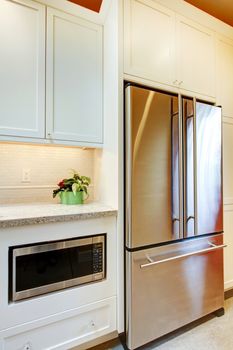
(175, 82)
(181, 82)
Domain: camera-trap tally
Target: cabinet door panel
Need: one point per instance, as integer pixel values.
(149, 34)
(22, 68)
(195, 57)
(225, 75)
(74, 78)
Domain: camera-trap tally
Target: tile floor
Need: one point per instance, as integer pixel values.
(216, 333)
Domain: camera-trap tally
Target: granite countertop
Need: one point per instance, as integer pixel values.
(12, 215)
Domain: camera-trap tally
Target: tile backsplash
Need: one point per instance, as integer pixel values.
(47, 165)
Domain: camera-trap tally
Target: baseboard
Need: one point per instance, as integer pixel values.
(228, 285)
(228, 294)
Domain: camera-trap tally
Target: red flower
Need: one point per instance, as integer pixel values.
(61, 184)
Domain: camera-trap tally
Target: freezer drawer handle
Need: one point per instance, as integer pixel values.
(206, 250)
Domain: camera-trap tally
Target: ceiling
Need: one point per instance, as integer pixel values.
(221, 9)
(93, 5)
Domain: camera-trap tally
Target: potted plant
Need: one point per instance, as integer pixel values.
(73, 189)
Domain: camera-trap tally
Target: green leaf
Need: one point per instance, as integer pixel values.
(74, 188)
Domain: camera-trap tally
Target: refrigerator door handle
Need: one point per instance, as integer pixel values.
(195, 166)
(175, 219)
(190, 163)
(201, 251)
(181, 194)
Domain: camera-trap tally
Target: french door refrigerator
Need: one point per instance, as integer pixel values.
(173, 212)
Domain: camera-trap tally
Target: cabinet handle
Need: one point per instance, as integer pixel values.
(175, 82)
(181, 82)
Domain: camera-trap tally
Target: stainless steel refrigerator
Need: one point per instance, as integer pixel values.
(173, 212)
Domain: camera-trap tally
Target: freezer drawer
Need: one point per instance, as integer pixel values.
(170, 286)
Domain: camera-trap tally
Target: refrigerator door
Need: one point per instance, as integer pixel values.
(209, 211)
(202, 140)
(172, 285)
(153, 167)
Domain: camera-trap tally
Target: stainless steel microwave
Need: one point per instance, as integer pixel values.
(42, 268)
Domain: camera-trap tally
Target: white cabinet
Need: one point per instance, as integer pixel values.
(22, 68)
(195, 57)
(165, 47)
(225, 75)
(74, 78)
(66, 318)
(71, 86)
(72, 328)
(148, 40)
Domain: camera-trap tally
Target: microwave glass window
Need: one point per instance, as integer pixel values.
(36, 270)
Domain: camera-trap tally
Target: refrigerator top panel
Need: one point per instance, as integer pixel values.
(152, 162)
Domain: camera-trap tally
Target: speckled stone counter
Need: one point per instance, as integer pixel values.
(39, 213)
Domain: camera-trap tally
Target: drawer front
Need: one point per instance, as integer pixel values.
(70, 329)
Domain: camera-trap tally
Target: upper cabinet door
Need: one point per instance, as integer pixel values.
(148, 40)
(225, 75)
(22, 68)
(195, 57)
(74, 79)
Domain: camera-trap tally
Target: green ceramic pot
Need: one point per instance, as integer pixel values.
(70, 198)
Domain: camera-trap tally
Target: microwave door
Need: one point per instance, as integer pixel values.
(152, 167)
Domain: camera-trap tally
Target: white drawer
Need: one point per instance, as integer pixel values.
(69, 329)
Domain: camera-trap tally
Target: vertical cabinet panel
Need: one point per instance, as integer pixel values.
(22, 68)
(149, 38)
(225, 75)
(228, 200)
(195, 57)
(74, 78)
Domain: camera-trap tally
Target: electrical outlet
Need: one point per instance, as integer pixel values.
(26, 175)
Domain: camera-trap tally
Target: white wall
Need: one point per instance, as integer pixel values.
(48, 165)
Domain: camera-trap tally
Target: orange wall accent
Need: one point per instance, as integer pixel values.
(93, 5)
